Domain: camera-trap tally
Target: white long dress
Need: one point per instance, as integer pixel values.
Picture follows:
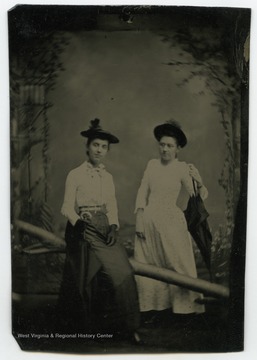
(167, 242)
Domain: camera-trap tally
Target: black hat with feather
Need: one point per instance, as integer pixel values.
(173, 129)
(96, 131)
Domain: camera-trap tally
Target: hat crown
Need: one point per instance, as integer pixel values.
(174, 123)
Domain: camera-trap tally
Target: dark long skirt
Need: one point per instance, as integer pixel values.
(98, 288)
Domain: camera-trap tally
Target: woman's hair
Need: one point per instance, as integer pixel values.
(170, 134)
(92, 138)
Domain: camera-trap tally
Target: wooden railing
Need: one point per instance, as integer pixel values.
(51, 242)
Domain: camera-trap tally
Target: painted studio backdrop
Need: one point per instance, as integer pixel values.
(133, 68)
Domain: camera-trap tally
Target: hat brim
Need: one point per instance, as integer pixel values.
(100, 134)
(170, 130)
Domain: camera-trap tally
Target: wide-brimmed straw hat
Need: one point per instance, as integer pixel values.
(173, 129)
(96, 131)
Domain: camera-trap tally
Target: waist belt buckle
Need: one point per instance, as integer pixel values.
(86, 215)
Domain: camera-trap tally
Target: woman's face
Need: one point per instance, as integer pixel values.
(168, 148)
(97, 149)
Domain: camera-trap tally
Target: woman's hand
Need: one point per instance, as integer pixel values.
(140, 231)
(194, 173)
(196, 176)
(112, 235)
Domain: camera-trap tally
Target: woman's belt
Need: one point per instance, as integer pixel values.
(91, 208)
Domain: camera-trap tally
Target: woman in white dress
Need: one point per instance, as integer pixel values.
(162, 238)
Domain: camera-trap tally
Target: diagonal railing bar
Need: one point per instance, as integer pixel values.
(50, 241)
(173, 277)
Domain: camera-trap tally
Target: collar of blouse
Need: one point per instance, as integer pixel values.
(94, 169)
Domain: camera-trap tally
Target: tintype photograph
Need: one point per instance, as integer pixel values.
(129, 163)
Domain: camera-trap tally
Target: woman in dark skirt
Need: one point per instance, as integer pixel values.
(91, 237)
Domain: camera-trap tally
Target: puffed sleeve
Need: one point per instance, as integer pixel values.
(68, 207)
(110, 202)
(143, 191)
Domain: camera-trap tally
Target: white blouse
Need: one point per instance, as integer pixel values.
(161, 184)
(89, 186)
